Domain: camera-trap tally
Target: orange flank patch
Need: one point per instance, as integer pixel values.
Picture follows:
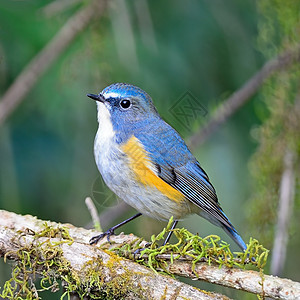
(140, 164)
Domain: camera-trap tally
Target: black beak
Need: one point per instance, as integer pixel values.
(99, 97)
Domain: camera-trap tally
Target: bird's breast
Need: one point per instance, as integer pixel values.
(145, 172)
(128, 171)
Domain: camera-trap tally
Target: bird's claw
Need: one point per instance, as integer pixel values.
(139, 250)
(108, 233)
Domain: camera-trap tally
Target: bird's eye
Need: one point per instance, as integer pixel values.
(125, 103)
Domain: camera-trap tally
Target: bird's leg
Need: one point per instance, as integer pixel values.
(138, 251)
(170, 233)
(111, 231)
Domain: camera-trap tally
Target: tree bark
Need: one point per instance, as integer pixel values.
(132, 280)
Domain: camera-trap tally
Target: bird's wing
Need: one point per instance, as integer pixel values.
(176, 166)
(192, 181)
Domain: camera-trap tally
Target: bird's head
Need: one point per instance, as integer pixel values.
(124, 103)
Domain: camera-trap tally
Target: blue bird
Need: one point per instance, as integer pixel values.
(145, 162)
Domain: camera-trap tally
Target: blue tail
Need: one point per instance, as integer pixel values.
(228, 228)
(235, 236)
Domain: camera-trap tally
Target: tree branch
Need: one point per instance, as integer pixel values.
(119, 275)
(243, 95)
(250, 281)
(43, 60)
(81, 260)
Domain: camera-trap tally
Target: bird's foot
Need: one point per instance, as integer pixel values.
(108, 233)
(139, 250)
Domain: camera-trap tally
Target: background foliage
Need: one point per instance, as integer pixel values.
(209, 48)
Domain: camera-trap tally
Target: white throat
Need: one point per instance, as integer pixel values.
(104, 141)
(105, 147)
(105, 131)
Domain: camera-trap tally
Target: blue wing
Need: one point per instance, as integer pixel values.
(178, 167)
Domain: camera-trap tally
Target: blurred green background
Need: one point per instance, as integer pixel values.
(208, 48)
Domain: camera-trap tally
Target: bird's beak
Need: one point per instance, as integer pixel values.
(98, 98)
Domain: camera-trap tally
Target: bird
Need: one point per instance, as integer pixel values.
(146, 163)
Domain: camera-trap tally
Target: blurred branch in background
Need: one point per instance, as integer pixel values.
(285, 206)
(93, 212)
(108, 216)
(58, 6)
(146, 25)
(243, 95)
(43, 60)
(286, 198)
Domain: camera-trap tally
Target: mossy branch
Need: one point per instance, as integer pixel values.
(57, 252)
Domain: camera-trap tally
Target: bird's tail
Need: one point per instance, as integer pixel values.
(235, 236)
(228, 227)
